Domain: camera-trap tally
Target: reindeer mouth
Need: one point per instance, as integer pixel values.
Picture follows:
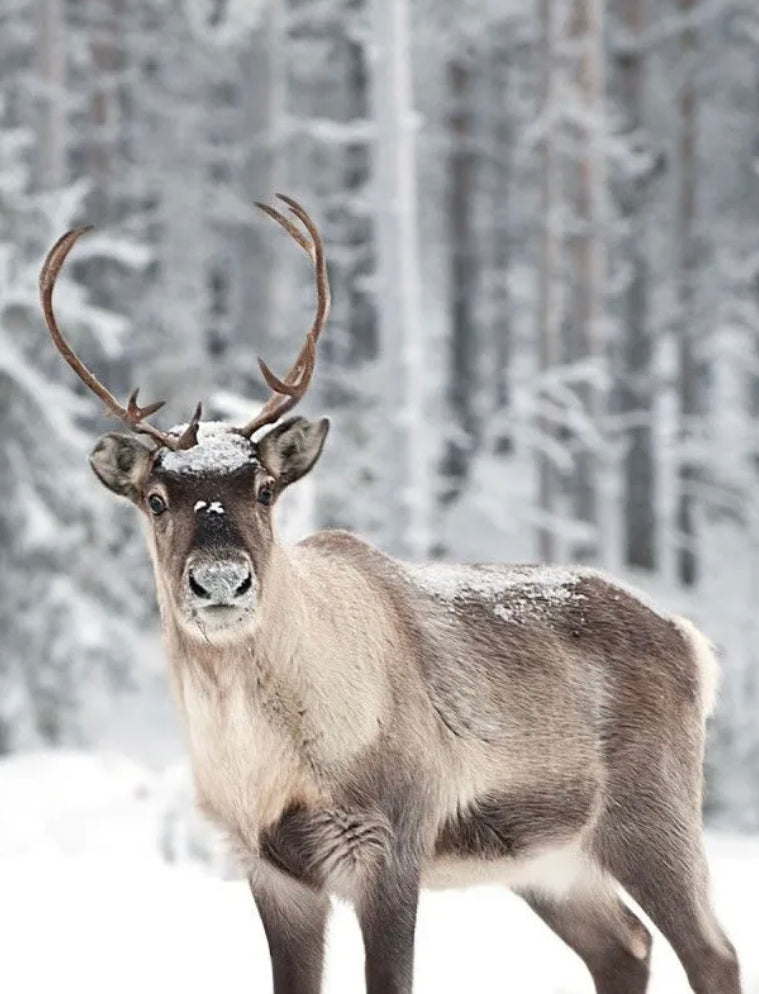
(217, 618)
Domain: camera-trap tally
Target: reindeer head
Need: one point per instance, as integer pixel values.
(206, 489)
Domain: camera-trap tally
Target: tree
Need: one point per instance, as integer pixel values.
(53, 525)
(634, 168)
(50, 60)
(689, 371)
(586, 253)
(402, 338)
(548, 312)
(55, 584)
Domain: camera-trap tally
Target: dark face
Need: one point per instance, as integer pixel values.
(209, 512)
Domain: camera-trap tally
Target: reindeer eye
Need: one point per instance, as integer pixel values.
(156, 503)
(265, 495)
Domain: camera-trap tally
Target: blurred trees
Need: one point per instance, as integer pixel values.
(58, 655)
(545, 335)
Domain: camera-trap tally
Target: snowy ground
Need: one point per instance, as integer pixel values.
(87, 904)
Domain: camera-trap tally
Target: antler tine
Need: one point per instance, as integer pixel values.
(289, 227)
(189, 436)
(133, 415)
(283, 386)
(288, 391)
(320, 265)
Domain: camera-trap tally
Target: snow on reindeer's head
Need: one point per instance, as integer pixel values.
(207, 489)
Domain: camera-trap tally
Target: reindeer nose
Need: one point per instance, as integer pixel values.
(220, 581)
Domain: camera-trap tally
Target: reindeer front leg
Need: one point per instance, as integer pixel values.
(294, 918)
(387, 915)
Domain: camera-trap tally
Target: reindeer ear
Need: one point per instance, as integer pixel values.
(121, 461)
(290, 450)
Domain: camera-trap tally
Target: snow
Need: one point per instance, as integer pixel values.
(450, 581)
(228, 25)
(87, 904)
(117, 248)
(517, 593)
(54, 405)
(215, 507)
(220, 450)
(72, 804)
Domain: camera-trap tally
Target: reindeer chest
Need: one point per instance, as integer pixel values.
(247, 758)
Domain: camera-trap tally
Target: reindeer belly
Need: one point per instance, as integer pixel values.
(554, 870)
(519, 838)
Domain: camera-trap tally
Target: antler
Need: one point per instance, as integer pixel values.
(286, 392)
(289, 391)
(133, 415)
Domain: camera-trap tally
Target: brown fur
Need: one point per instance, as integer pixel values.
(361, 733)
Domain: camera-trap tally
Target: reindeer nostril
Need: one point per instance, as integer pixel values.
(244, 586)
(196, 588)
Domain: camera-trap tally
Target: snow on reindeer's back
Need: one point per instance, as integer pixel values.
(220, 450)
(517, 593)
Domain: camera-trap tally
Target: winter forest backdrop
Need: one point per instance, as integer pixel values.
(541, 221)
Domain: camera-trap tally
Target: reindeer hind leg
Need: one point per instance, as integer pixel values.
(656, 852)
(612, 942)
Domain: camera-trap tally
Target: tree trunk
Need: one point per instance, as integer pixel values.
(402, 344)
(548, 314)
(108, 60)
(689, 376)
(51, 68)
(500, 304)
(636, 381)
(464, 343)
(260, 288)
(586, 256)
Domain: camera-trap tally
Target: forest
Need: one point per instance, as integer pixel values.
(544, 345)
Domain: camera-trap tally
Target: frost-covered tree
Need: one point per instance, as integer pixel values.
(60, 650)
(68, 618)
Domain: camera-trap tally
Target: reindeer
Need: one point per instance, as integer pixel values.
(362, 727)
